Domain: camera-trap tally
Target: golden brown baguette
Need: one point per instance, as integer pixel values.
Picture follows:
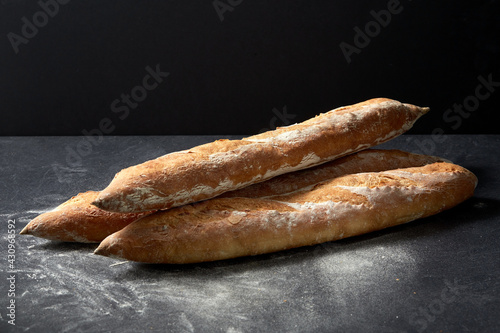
(369, 160)
(211, 169)
(76, 220)
(341, 207)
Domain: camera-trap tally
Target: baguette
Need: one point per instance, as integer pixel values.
(369, 160)
(76, 220)
(211, 169)
(341, 207)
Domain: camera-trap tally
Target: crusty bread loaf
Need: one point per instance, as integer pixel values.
(76, 220)
(369, 160)
(341, 207)
(211, 169)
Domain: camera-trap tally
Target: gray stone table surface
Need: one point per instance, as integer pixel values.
(438, 274)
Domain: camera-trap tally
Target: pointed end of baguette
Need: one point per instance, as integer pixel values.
(425, 109)
(26, 230)
(417, 110)
(105, 248)
(99, 201)
(104, 202)
(100, 251)
(117, 201)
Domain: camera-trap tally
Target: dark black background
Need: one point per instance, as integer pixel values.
(226, 77)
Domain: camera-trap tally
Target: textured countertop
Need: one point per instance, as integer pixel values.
(438, 274)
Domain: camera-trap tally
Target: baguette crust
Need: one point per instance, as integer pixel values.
(369, 160)
(211, 169)
(341, 207)
(77, 220)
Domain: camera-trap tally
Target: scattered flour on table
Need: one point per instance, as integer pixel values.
(77, 290)
(354, 278)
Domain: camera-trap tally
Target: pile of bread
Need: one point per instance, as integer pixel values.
(299, 185)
